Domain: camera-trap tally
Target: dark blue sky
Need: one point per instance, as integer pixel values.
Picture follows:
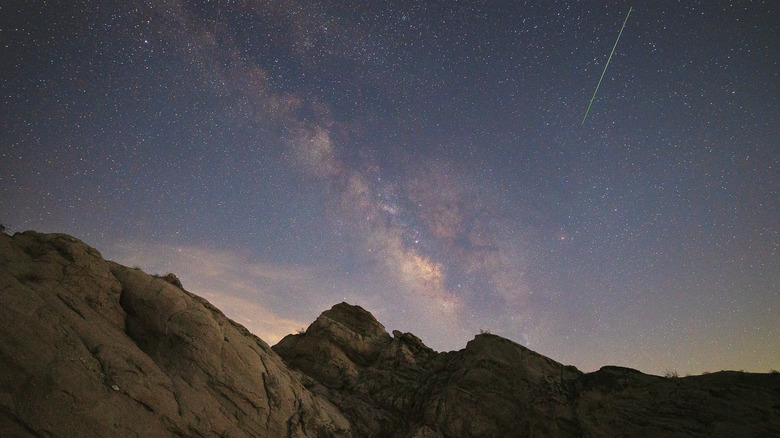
(426, 160)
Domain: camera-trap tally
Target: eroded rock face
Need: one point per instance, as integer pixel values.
(337, 345)
(398, 387)
(91, 348)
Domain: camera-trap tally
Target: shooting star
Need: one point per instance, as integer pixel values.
(605, 67)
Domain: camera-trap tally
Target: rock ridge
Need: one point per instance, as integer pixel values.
(395, 386)
(90, 348)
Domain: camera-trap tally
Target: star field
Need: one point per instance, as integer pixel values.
(425, 160)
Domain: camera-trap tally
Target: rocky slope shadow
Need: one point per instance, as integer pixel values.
(89, 348)
(394, 386)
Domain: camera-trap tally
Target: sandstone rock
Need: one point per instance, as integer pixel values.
(398, 387)
(91, 348)
(496, 387)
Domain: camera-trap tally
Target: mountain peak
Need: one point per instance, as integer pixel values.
(357, 319)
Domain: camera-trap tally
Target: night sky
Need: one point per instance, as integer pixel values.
(426, 160)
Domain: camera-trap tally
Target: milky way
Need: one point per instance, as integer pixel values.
(425, 160)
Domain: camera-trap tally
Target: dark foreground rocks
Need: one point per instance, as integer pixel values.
(397, 387)
(90, 348)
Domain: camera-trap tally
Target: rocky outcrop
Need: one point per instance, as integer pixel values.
(397, 387)
(90, 348)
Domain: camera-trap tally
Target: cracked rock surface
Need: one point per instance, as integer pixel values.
(91, 348)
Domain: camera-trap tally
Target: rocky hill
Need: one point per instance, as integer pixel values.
(92, 348)
(89, 348)
(397, 387)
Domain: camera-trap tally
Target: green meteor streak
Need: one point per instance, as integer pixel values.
(605, 67)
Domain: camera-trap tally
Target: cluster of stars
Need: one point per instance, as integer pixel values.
(422, 159)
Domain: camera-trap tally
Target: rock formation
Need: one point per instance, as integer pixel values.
(397, 387)
(91, 348)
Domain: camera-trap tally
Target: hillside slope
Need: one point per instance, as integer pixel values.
(90, 348)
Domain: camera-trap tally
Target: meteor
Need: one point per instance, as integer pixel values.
(605, 67)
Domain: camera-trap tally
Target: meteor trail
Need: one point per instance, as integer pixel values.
(605, 67)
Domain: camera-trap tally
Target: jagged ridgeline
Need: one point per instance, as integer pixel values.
(90, 348)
